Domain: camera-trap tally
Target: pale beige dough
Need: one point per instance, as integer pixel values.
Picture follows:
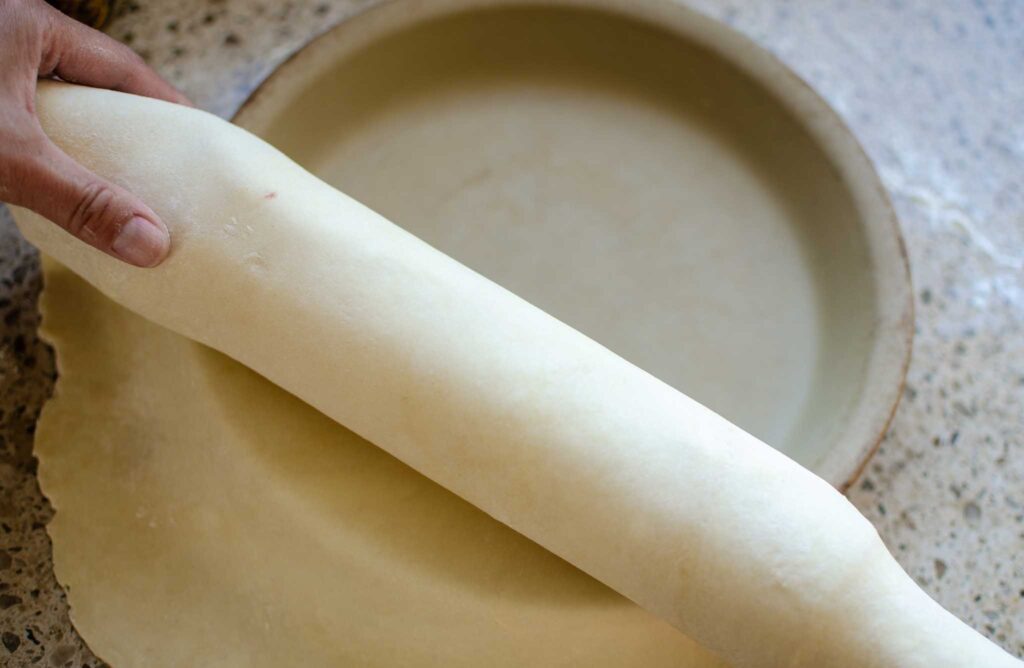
(207, 518)
(525, 418)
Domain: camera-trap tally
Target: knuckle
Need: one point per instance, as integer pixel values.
(93, 218)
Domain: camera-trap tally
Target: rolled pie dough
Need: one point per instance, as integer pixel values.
(206, 517)
(538, 426)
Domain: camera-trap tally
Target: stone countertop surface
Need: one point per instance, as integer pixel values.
(935, 92)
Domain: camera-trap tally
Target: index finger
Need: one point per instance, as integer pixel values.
(79, 54)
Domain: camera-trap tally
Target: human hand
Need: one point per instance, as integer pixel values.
(38, 41)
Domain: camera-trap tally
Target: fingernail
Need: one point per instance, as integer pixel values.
(141, 242)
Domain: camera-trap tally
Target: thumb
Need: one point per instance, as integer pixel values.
(100, 213)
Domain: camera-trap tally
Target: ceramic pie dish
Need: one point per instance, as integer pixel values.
(643, 173)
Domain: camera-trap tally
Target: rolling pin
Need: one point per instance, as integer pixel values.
(542, 428)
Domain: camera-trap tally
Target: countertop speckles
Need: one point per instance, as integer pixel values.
(934, 90)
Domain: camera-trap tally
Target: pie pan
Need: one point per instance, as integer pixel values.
(643, 173)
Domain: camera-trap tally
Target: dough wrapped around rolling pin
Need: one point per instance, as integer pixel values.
(534, 423)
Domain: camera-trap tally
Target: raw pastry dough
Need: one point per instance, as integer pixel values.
(207, 518)
(527, 419)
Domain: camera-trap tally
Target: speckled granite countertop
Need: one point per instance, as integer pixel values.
(934, 90)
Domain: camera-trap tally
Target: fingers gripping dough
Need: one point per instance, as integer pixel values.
(524, 417)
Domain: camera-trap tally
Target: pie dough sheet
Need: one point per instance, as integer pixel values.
(522, 416)
(206, 517)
